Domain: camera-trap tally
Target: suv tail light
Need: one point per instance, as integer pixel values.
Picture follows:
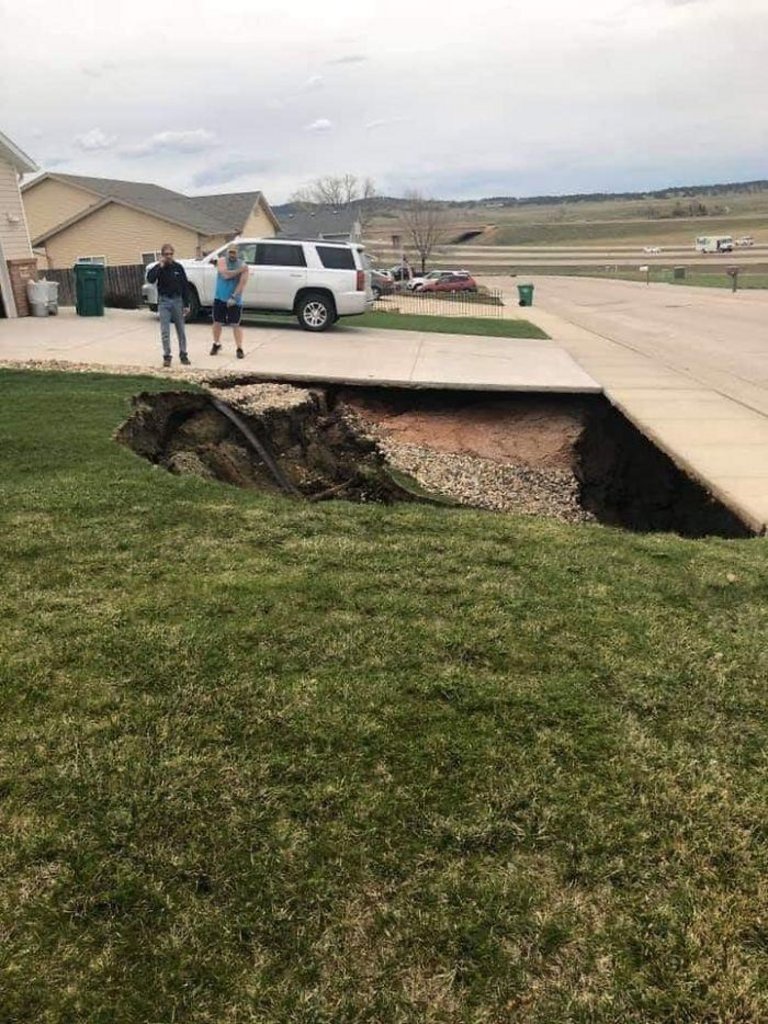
(361, 280)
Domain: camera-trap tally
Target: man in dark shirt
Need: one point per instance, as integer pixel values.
(172, 301)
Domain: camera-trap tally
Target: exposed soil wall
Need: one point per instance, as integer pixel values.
(313, 450)
(626, 481)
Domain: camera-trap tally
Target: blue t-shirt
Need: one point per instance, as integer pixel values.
(225, 286)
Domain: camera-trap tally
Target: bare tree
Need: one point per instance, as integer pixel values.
(341, 192)
(424, 221)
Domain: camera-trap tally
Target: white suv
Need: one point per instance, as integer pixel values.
(317, 281)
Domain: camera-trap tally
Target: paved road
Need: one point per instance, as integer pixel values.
(688, 366)
(714, 336)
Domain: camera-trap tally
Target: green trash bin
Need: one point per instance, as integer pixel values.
(525, 291)
(89, 289)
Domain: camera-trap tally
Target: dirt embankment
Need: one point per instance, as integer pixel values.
(533, 431)
(513, 453)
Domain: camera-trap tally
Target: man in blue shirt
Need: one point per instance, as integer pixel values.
(232, 273)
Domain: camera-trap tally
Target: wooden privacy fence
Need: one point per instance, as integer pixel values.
(122, 285)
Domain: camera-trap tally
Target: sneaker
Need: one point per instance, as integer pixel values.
(184, 359)
(240, 354)
(215, 348)
(166, 360)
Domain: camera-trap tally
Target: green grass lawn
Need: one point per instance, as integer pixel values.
(264, 761)
(489, 328)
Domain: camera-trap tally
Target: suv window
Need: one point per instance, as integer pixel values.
(334, 258)
(247, 252)
(270, 254)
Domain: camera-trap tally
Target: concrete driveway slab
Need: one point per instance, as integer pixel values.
(284, 352)
(503, 364)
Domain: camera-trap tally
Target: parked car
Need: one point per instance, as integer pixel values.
(452, 282)
(652, 250)
(417, 283)
(318, 282)
(401, 273)
(382, 283)
(747, 240)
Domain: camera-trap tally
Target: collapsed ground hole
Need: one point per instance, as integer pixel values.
(573, 458)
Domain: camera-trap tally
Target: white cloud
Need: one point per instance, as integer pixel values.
(383, 122)
(322, 124)
(94, 139)
(196, 140)
(350, 58)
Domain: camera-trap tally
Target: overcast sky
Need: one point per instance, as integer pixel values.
(460, 99)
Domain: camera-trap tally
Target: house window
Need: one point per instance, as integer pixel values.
(150, 257)
(93, 259)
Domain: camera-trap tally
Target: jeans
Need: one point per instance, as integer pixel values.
(170, 308)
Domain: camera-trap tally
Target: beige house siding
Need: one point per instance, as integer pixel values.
(42, 258)
(212, 242)
(52, 202)
(258, 224)
(13, 232)
(120, 234)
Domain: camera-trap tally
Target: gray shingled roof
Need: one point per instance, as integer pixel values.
(317, 222)
(234, 208)
(210, 215)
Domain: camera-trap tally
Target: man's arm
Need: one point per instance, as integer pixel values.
(184, 288)
(241, 283)
(153, 273)
(221, 266)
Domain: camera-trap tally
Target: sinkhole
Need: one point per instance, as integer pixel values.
(574, 458)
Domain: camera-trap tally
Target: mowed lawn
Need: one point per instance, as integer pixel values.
(484, 326)
(264, 761)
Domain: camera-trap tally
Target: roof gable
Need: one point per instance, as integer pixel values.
(318, 221)
(233, 208)
(144, 195)
(226, 213)
(16, 157)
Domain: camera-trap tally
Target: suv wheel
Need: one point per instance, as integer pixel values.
(316, 312)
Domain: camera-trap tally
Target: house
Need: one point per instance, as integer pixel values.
(17, 264)
(329, 223)
(75, 218)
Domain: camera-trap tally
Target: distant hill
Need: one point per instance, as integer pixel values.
(677, 192)
(389, 204)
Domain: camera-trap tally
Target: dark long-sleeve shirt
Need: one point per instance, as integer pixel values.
(171, 280)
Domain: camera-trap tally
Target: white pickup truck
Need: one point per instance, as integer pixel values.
(316, 281)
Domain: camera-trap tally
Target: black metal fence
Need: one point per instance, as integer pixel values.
(122, 285)
(486, 302)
